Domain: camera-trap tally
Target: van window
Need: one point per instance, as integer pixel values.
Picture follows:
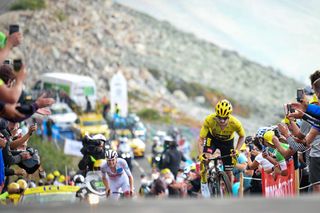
(53, 86)
(88, 91)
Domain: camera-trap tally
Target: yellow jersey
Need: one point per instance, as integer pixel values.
(211, 125)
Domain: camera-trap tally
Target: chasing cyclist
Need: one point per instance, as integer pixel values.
(116, 176)
(217, 132)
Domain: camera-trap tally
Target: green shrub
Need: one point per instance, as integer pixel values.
(28, 5)
(149, 114)
(51, 157)
(60, 15)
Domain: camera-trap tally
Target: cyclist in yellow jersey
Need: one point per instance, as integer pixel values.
(217, 132)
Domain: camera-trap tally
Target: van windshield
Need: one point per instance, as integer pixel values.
(94, 123)
(60, 110)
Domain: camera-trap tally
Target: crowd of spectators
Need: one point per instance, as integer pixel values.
(14, 111)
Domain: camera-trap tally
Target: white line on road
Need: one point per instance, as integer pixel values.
(139, 167)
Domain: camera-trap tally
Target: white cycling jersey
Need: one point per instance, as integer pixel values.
(118, 180)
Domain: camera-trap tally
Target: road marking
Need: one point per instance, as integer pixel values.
(139, 167)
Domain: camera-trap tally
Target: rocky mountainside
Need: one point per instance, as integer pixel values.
(99, 38)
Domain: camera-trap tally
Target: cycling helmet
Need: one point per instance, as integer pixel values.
(266, 133)
(78, 179)
(22, 184)
(223, 108)
(99, 137)
(261, 131)
(111, 154)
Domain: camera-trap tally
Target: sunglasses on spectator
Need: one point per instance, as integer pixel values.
(222, 119)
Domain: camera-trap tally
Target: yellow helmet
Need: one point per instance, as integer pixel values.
(223, 108)
(98, 163)
(50, 177)
(22, 184)
(62, 178)
(13, 188)
(56, 173)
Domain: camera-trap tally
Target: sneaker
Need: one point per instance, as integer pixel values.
(42, 174)
(205, 190)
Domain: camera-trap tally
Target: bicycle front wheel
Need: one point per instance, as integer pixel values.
(224, 186)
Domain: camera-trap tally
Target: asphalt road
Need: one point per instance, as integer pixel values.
(141, 166)
(257, 205)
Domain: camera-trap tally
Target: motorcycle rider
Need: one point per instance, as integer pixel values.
(93, 149)
(116, 176)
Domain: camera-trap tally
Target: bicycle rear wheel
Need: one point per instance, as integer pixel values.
(224, 187)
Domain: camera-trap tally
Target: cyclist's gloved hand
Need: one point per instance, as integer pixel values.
(234, 153)
(202, 157)
(234, 156)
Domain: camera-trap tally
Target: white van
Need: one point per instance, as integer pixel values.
(76, 86)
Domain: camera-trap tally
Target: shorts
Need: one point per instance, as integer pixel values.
(225, 148)
(118, 185)
(314, 169)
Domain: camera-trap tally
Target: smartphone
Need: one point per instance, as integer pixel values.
(17, 63)
(300, 93)
(285, 107)
(13, 28)
(290, 109)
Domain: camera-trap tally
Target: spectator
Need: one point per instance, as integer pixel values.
(11, 89)
(172, 157)
(49, 125)
(89, 106)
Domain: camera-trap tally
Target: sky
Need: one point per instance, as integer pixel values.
(283, 34)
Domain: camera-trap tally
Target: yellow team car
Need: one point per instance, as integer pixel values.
(91, 124)
(137, 145)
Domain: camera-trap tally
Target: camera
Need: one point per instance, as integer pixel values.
(17, 64)
(300, 94)
(13, 28)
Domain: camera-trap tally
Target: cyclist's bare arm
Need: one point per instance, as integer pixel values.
(200, 145)
(131, 183)
(106, 184)
(240, 142)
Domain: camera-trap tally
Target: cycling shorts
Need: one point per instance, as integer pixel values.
(225, 148)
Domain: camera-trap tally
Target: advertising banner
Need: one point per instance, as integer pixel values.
(282, 186)
(72, 147)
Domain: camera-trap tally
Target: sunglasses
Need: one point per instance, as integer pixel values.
(222, 119)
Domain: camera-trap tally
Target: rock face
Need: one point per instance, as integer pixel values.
(98, 37)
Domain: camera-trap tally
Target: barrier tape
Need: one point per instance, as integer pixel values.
(309, 185)
(251, 178)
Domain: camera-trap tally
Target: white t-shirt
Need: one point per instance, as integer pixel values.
(263, 162)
